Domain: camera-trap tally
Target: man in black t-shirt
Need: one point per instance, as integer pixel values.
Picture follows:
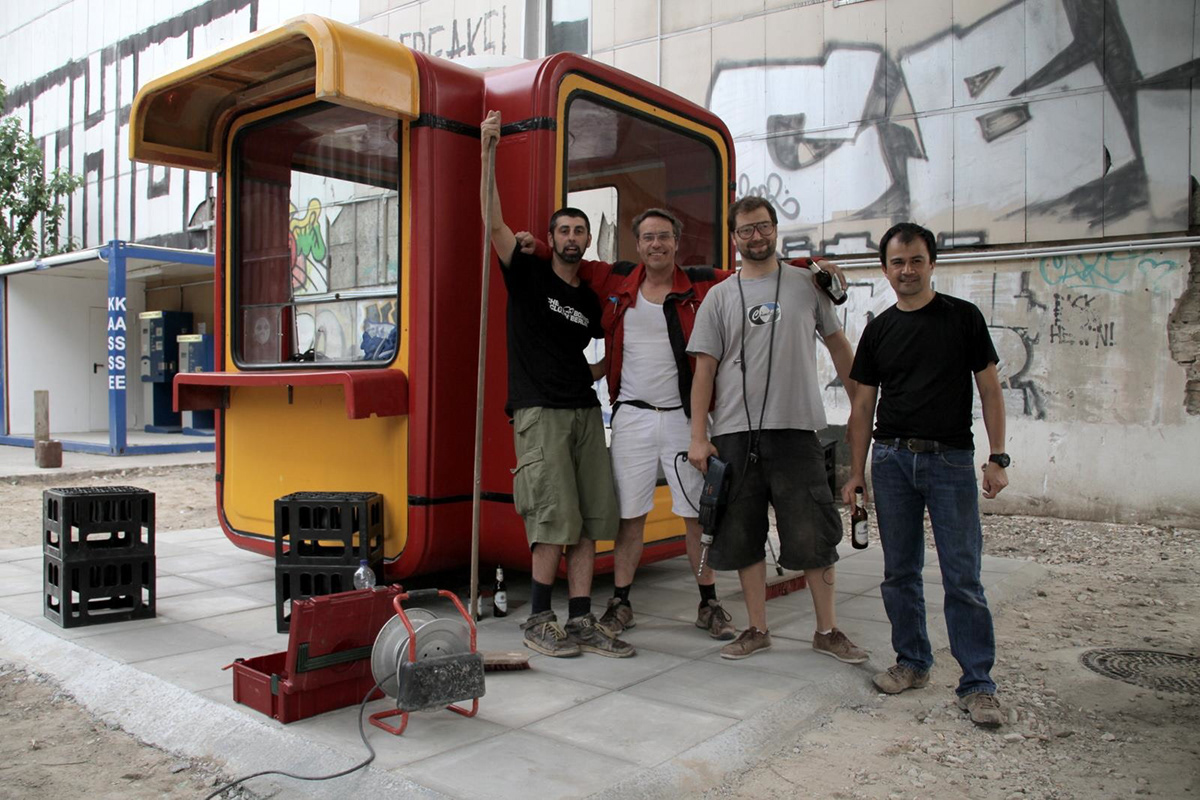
(562, 481)
(922, 353)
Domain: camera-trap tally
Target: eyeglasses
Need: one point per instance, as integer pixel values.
(746, 231)
(651, 238)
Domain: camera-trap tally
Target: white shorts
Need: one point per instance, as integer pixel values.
(643, 441)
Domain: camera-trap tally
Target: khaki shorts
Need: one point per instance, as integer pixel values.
(562, 483)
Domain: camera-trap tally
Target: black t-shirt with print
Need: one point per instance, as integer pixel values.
(924, 362)
(550, 322)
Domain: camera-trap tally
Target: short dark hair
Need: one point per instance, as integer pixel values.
(748, 204)
(661, 213)
(908, 232)
(568, 211)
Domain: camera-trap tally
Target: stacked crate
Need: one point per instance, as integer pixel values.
(98, 555)
(320, 538)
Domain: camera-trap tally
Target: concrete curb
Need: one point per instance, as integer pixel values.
(192, 726)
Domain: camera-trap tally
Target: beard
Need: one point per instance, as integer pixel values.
(570, 255)
(758, 251)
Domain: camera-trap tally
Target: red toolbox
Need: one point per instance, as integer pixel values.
(328, 661)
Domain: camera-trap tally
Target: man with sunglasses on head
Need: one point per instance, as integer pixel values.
(755, 351)
(562, 481)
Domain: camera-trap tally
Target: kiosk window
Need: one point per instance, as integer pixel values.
(315, 273)
(641, 163)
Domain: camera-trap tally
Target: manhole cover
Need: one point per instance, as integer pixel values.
(1151, 669)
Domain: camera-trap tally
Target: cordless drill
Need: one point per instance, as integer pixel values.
(712, 498)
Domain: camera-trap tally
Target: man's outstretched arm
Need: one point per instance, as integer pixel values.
(502, 236)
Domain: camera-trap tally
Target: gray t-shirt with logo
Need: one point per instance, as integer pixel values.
(803, 313)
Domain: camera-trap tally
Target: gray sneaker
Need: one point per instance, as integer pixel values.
(898, 678)
(617, 618)
(716, 620)
(984, 709)
(591, 638)
(545, 635)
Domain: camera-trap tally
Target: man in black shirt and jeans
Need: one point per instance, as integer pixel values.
(562, 481)
(923, 352)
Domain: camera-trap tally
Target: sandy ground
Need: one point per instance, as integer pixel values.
(1071, 733)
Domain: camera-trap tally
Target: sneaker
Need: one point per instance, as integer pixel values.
(748, 642)
(716, 620)
(591, 638)
(545, 635)
(836, 644)
(617, 617)
(984, 709)
(898, 678)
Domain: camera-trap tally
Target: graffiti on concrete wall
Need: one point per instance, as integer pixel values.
(1037, 121)
(1053, 338)
(306, 244)
(1107, 272)
(485, 33)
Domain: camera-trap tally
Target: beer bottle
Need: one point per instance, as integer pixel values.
(830, 285)
(858, 521)
(499, 595)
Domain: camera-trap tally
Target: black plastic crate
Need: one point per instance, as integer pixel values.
(87, 522)
(97, 591)
(301, 581)
(325, 529)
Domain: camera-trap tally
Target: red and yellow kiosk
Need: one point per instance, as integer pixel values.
(347, 264)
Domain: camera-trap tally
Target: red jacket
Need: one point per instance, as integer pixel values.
(617, 287)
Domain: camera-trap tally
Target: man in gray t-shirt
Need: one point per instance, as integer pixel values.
(755, 343)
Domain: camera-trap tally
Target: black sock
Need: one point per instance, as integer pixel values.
(539, 599)
(707, 593)
(579, 606)
(622, 593)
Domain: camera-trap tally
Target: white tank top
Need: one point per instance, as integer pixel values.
(648, 371)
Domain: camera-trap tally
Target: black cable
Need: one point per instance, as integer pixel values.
(753, 435)
(362, 734)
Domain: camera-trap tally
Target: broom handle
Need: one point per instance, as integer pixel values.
(489, 171)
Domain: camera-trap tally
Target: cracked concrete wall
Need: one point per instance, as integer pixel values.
(1184, 335)
(1098, 364)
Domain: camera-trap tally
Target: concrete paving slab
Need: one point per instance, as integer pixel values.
(155, 641)
(174, 585)
(519, 765)
(641, 730)
(27, 606)
(195, 674)
(203, 605)
(717, 688)
(609, 673)
(241, 626)
(236, 573)
(519, 698)
(19, 581)
(671, 636)
(20, 553)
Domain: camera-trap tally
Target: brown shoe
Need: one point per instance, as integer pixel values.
(836, 644)
(984, 709)
(898, 678)
(749, 642)
(716, 620)
(618, 617)
(591, 638)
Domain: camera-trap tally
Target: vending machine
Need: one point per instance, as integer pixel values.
(196, 355)
(159, 363)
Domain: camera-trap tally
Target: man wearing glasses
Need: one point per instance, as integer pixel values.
(754, 344)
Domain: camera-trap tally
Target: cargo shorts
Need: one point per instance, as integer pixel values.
(790, 475)
(563, 483)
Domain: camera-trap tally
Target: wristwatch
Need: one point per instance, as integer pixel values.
(1000, 459)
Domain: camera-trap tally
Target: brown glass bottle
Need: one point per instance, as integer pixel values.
(859, 526)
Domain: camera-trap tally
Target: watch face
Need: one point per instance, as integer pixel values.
(1000, 458)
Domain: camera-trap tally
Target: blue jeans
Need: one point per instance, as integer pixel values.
(905, 484)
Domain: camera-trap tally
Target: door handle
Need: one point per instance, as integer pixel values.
(96, 367)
